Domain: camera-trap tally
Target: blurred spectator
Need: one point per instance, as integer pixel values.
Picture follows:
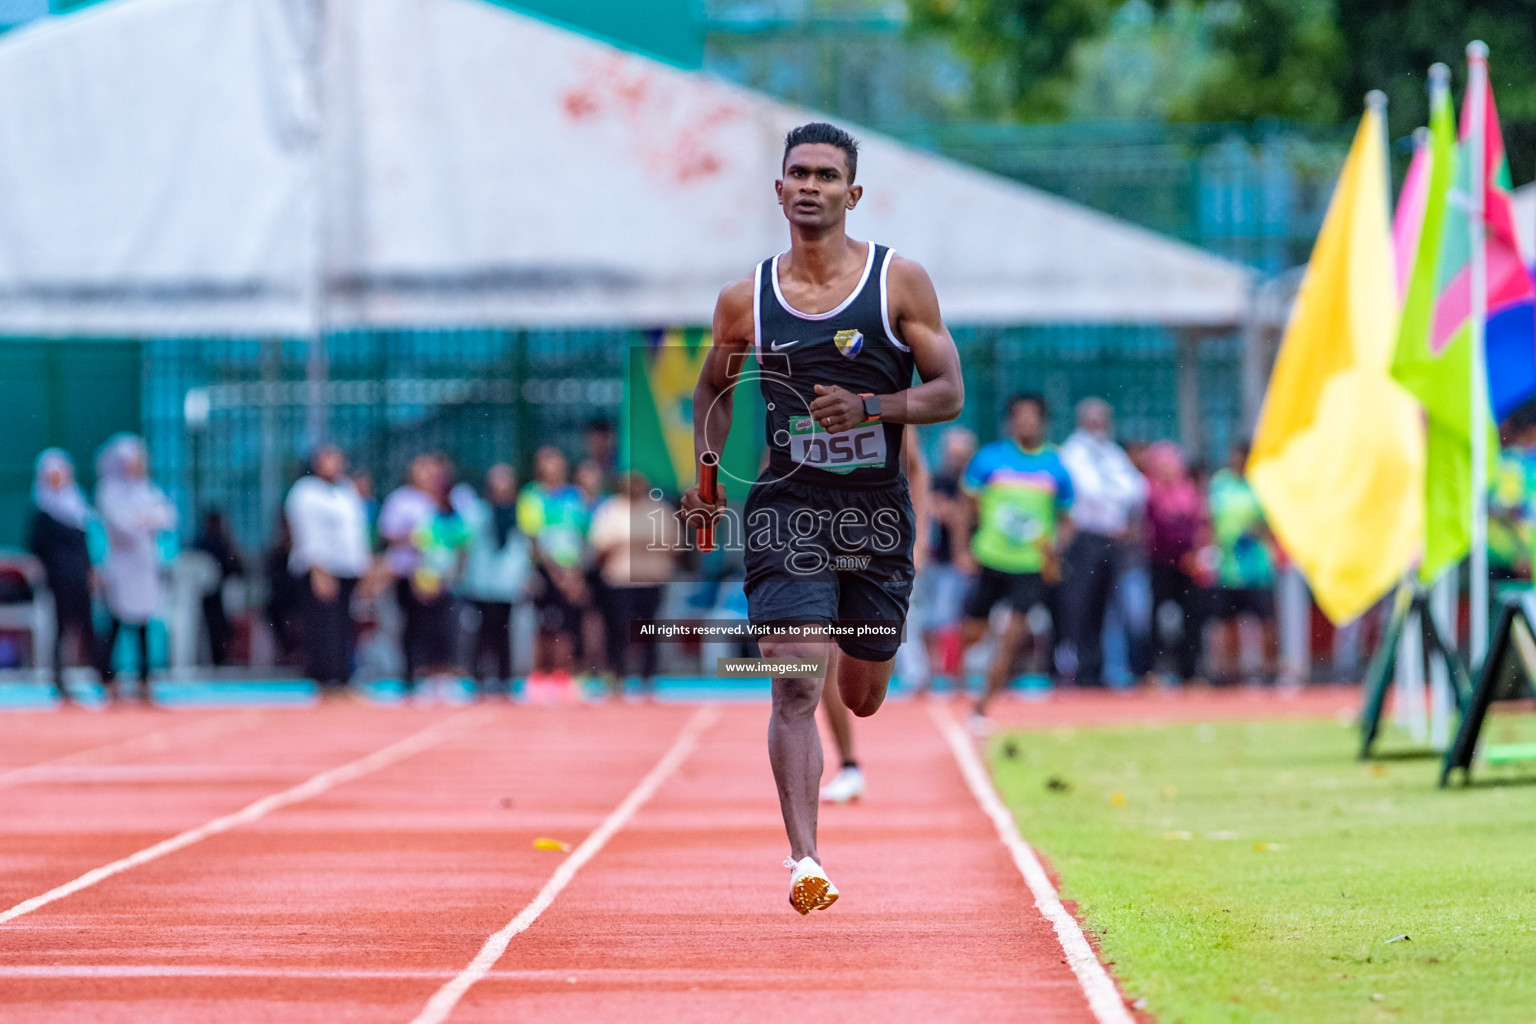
(1245, 574)
(330, 553)
(135, 512)
(362, 481)
(1512, 503)
(1107, 492)
(1176, 529)
(601, 447)
(946, 576)
(496, 576)
(285, 593)
(634, 540)
(591, 481)
(553, 515)
(426, 540)
(214, 540)
(57, 538)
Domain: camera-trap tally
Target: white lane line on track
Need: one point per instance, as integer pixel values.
(159, 740)
(1104, 1000)
(314, 786)
(446, 998)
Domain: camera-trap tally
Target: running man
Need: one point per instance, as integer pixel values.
(832, 330)
(1021, 491)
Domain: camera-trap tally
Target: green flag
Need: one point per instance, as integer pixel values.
(1434, 352)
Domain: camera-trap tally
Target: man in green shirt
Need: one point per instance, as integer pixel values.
(1020, 492)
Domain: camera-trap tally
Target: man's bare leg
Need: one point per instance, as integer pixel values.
(838, 718)
(848, 783)
(1003, 657)
(794, 745)
(862, 684)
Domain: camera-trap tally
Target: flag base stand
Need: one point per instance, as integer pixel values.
(1410, 610)
(1507, 674)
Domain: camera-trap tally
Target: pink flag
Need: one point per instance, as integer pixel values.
(1408, 221)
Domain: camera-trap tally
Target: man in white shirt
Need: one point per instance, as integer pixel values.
(330, 553)
(1108, 493)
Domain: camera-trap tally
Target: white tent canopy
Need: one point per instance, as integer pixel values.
(159, 174)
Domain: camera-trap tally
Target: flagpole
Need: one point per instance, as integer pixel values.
(1477, 93)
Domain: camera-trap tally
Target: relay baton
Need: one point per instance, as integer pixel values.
(709, 490)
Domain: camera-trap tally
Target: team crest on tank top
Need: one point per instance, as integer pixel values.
(852, 346)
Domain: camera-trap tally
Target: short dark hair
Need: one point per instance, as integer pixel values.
(829, 134)
(1033, 398)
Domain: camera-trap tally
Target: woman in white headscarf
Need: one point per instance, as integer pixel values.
(135, 512)
(57, 538)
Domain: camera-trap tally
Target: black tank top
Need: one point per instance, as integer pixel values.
(852, 346)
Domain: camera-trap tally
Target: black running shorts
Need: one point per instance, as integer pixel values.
(826, 556)
(1021, 590)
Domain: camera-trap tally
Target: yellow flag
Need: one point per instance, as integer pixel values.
(1338, 456)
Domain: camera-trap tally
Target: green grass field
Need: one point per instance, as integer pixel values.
(1256, 871)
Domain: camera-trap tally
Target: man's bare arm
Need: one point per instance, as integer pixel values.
(914, 311)
(713, 397)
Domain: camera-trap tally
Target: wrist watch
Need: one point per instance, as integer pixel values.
(871, 408)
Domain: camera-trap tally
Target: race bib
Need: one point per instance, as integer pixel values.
(1017, 525)
(842, 452)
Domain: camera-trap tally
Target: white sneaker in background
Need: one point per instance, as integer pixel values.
(846, 785)
(450, 690)
(980, 726)
(809, 887)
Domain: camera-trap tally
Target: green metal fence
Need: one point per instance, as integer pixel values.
(483, 396)
(488, 395)
(65, 394)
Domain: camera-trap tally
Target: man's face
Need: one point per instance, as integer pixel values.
(1096, 421)
(549, 467)
(329, 464)
(958, 451)
(815, 191)
(1027, 425)
(501, 484)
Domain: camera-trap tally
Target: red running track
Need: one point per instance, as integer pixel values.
(356, 897)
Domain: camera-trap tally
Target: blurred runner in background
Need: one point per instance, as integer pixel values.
(135, 513)
(1021, 494)
(330, 553)
(912, 664)
(57, 537)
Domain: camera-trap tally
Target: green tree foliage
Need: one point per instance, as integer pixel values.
(1302, 60)
(1277, 58)
(1021, 50)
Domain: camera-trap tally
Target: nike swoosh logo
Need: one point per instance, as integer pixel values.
(776, 346)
